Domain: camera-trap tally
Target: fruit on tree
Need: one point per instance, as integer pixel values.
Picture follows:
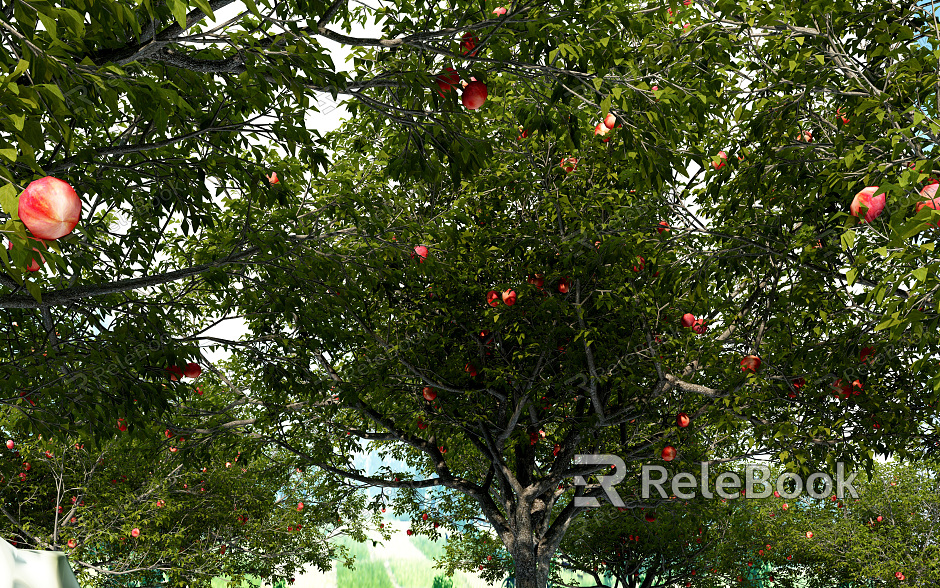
(499, 11)
(699, 326)
(193, 370)
(537, 280)
(867, 199)
(750, 362)
(720, 164)
(509, 297)
(33, 264)
(468, 43)
(663, 227)
(447, 80)
(610, 120)
(569, 164)
(175, 372)
(682, 420)
(866, 353)
(428, 393)
(272, 179)
(492, 298)
(564, 285)
(650, 517)
(10, 444)
(470, 369)
(688, 319)
(474, 95)
(422, 252)
(669, 453)
(601, 129)
(49, 208)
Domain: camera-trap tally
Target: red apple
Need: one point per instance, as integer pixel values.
(843, 391)
(866, 353)
(650, 517)
(750, 362)
(601, 129)
(122, 426)
(785, 506)
(447, 80)
(654, 89)
(569, 164)
(49, 208)
(688, 319)
(682, 420)
(470, 369)
(699, 327)
(500, 11)
(669, 453)
(805, 136)
(300, 506)
(564, 285)
(776, 494)
(492, 298)
(509, 297)
(424, 517)
(556, 450)
(724, 157)
(135, 532)
(10, 444)
(409, 531)
(422, 252)
(874, 205)
(273, 178)
(33, 264)
(641, 264)
(809, 534)
(879, 519)
(537, 280)
(428, 393)
(663, 227)
(474, 95)
(468, 43)
(193, 370)
(610, 120)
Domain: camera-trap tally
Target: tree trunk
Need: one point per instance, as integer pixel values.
(531, 567)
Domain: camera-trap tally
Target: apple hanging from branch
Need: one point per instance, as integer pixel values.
(868, 200)
(49, 208)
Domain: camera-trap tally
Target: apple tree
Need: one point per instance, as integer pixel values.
(546, 313)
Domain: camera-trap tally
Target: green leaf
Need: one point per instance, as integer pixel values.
(33, 289)
(851, 275)
(178, 9)
(9, 200)
(204, 6)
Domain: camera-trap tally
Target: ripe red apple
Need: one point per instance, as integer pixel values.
(654, 89)
(509, 297)
(610, 120)
(724, 157)
(601, 129)
(688, 319)
(843, 391)
(175, 372)
(272, 179)
(569, 164)
(33, 264)
(879, 519)
(492, 298)
(49, 208)
(564, 285)
(447, 80)
(785, 506)
(193, 370)
(429, 393)
(122, 426)
(641, 264)
(474, 95)
(135, 532)
(422, 252)
(409, 531)
(71, 543)
(300, 506)
(805, 136)
(866, 353)
(809, 534)
(663, 227)
(930, 190)
(10, 444)
(776, 494)
(669, 453)
(470, 369)
(537, 280)
(500, 11)
(650, 517)
(845, 120)
(682, 420)
(699, 327)
(750, 362)
(875, 205)
(468, 43)
(424, 517)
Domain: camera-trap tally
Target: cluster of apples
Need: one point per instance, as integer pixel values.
(474, 92)
(697, 325)
(192, 370)
(50, 209)
(493, 297)
(873, 203)
(605, 126)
